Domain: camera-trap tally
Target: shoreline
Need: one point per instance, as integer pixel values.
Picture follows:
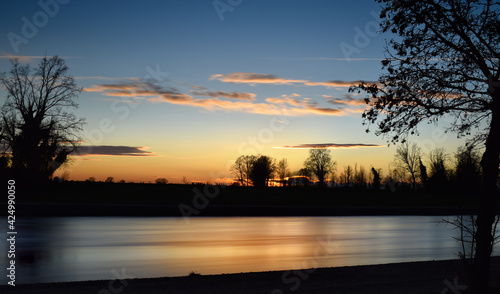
(103, 209)
(422, 277)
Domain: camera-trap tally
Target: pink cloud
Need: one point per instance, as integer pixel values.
(254, 78)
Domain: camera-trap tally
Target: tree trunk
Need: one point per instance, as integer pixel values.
(486, 216)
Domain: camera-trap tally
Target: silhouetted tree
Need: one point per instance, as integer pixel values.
(262, 171)
(376, 179)
(468, 169)
(359, 175)
(320, 163)
(305, 172)
(423, 172)
(161, 181)
(109, 180)
(347, 175)
(238, 169)
(91, 179)
(406, 159)
(444, 62)
(36, 122)
(438, 176)
(242, 168)
(283, 170)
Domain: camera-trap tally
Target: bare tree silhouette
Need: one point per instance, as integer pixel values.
(320, 163)
(407, 158)
(444, 62)
(242, 168)
(347, 175)
(283, 170)
(438, 172)
(36, 123)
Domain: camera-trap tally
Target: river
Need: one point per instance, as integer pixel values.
(59, 249)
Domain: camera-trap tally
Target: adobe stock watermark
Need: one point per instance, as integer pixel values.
(118, 284)
(362, 37)
(223, 6)
(454, 288)
(31, 26)
(200, 201)
(122, 107)
(253, 144)
(293, 278)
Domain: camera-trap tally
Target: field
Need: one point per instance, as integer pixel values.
(84, 198)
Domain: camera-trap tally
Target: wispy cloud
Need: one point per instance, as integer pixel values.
(26, 58)
(254, 78)
(329, 145)
(346, 59)
(230, 95)
(290, 105)
(259, 78)
(21, 58)
(102, 78)
(337, 84)
(112, 151)
(347, 100)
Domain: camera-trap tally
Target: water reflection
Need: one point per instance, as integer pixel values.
(87, 248)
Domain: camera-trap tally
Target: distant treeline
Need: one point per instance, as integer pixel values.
(437, 171)
(411, 168)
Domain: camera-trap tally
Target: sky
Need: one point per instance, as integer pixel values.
(180, 89)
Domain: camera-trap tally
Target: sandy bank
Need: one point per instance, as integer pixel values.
(409, 278)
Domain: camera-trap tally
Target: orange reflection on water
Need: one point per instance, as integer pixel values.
(85, 248)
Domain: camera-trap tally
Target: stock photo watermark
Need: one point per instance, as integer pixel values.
(122, 107)
(362, 37)
(223, 6)
(31, 26)
(454, 288)
(118, 284)
(11, 232)
(253, 144)
(200, 201)
(294, 278)
(265, 136)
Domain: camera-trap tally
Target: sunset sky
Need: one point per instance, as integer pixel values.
(182, 88)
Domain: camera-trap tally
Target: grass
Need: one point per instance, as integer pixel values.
(173, 194)
(95, 198)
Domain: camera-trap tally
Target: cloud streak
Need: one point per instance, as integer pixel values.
(328, 145)
(290, 105)
(254, 78)
(347, 100)
(259, 78)
(26, 58)
(112, 151)
(230, 95)
(335, 84)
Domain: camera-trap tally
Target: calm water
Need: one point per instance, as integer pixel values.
(90, 248)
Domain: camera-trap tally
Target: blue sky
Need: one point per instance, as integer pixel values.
(191, 85)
